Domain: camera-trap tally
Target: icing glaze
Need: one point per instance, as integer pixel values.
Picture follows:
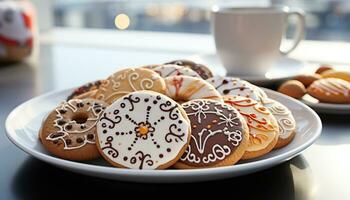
(174, 70)
(72, 133)
(129, 80)
(185, 88)
(235, 87)
(216, 132)
(263, 127)
(77, 93)
(143, 130)
(200, 69)
(284, 117)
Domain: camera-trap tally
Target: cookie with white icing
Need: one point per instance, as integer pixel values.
(186, 88)
(201, 69)
(129, 80)
(285, 120)
(85, 91)
(219, 135)
(143, 130)
(235, 87)
(69, 131)
(175, 70)
(263, 126)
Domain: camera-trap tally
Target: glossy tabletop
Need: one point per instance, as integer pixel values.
(320, 172)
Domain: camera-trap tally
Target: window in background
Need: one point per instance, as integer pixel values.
(325, 20)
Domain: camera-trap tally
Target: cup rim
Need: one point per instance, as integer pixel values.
(243, 10)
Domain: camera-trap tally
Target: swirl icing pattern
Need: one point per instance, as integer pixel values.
(217, 131)
(175, 70)
(202, 70)
(129, 80)
(263, 126)
(143, 130)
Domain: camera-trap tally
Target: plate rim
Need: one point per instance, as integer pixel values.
(10, 132)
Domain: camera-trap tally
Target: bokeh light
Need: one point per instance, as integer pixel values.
(122, 21)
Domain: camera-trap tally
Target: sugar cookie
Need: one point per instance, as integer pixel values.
(143, 130)
(86, 91)
(129, 80)
(330, 90)
(186, 88)
(174, 70)
(219, 135)
(202, 70)
(263, 126)
(69, 131)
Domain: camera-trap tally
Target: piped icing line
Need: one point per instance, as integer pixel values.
(332, 86)
(62, 130)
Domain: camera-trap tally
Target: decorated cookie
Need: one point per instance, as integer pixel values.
(235, 86)
(219, 135)
(186, 88)
(143, 130)
(330, 90)
(69, 131)
(174, 70)
(263, 126)
(285, 120)
(150, 66)
(86, 91)
(202, 70)
(129, 80)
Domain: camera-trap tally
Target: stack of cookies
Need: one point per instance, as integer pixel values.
(170, 115)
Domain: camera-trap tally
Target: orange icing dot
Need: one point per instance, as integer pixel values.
(143, 130)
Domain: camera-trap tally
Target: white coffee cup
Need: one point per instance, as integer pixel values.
(248, 40)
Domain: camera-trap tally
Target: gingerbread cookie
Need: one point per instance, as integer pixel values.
(219, 135)
(174, 70)
(263, 126)
(235, 86)
(143, 130)
(186, 88)
(330, 90)
(285, 120)
(69, 131)
(202, 70)
(86, 91)
(129, 80)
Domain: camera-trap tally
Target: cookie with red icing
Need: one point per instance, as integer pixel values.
(202, 70)
(330, 90)
(69, 131)
(143, 130)
(263, 126)
(86, 91)
(236, 87)
(174, 70)
(186, 88)
(219, 135)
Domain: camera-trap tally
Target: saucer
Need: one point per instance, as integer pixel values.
(284, 68)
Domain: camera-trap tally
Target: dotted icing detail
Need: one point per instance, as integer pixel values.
(142, 131)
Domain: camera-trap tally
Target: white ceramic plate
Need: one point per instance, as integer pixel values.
(284, 68)
(23, 123)
(326, 108)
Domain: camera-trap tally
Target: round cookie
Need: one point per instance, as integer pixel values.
(263, 126)
(129, 80)
(143, 130)
(330, 90)
(285, 120)
(293, 88)
(219, 135)
(69, 131)
(86, 91)
(202, 70)
(235, 87)
(186, 88)
(174, 70)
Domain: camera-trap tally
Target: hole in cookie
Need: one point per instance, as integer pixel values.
(80, 118)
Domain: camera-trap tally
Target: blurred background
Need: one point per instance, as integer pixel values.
(326, 19)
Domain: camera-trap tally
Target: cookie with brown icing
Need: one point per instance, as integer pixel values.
(69, 131)
(143, 130)
(202, 70)
(129, 80)
(86, 91)
(219, 135)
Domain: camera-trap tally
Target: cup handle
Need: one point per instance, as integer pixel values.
(299, 33)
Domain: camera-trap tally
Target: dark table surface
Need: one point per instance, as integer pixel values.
(320, 172)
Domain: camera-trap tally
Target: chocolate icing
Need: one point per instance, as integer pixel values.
(216, 132)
